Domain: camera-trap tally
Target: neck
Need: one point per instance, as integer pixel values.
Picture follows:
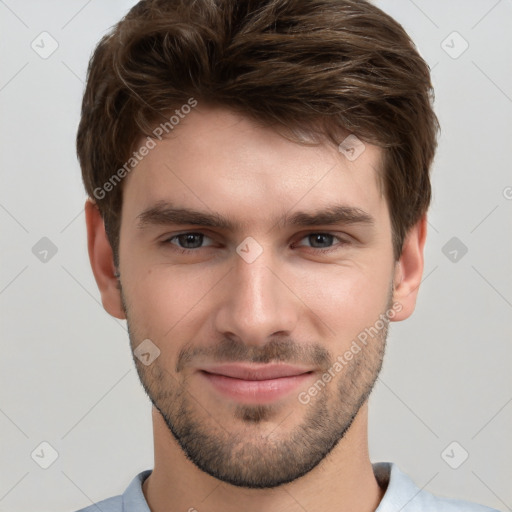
(342, 482)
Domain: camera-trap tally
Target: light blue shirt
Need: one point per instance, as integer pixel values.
(401, 495)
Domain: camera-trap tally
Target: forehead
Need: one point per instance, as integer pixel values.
(221, 161)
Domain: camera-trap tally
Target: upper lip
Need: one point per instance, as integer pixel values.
(254, 371)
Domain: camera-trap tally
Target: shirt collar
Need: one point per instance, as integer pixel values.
(399, 489)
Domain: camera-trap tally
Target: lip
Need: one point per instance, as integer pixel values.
(251, 383)
(256, 371)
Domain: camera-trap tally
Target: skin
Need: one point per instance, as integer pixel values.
(291, 302)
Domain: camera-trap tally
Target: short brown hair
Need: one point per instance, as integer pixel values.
(314, 66)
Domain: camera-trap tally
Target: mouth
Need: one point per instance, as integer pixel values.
(256, 384)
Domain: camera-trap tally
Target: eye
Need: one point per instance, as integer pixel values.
(323, 241)
(187, 241)
(192, 241)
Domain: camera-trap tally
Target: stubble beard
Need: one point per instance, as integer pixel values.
(251, 455)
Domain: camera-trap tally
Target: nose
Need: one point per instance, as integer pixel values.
(256, 302)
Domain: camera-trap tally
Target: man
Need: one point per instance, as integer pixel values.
(258, 174)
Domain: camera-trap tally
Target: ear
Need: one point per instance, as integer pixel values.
(409, 270)
(102, 261)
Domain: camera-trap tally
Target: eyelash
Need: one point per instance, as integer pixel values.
(181, 250)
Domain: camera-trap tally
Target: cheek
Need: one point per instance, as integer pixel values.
(163, 300)
(346, 300)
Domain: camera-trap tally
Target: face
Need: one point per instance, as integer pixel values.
(254, 265)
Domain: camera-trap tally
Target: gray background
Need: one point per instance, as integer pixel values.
(67, 377)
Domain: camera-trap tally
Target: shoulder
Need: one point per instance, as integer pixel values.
(132, 500)
(428, 502)
(403, 494)
(114, 504)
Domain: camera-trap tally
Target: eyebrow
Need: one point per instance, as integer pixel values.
(164, 213)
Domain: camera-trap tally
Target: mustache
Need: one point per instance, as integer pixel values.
(277, 350)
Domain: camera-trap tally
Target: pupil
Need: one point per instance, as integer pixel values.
(320, 237)
(189, 239)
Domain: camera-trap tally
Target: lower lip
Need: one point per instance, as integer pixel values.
(255, 391)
